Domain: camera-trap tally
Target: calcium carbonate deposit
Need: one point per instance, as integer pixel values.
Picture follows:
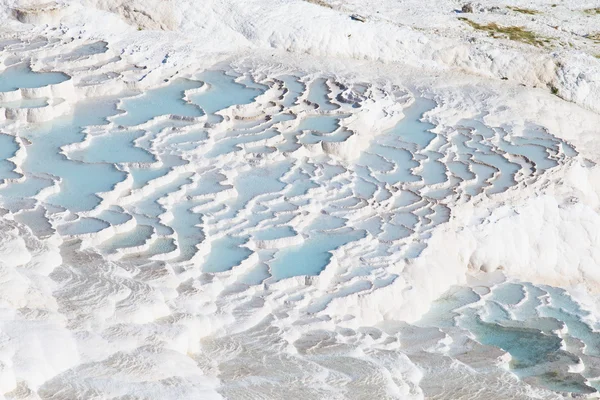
(294, 199)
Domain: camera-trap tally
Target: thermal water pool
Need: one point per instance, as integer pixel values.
(220, 177)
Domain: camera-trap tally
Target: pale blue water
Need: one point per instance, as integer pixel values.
(513, 318)
(191, 138)
(149, 205)
(506, 168)
(21, 76)
(338, 136)
(18, 196)
(482, 174)
(442, 313)
(272, 233)
(318, 93)
(163, 101)
(295, 89)
(312, 256)
(434, 171)
(80, 182)
(568, 149)
(256, 276)
(257, 182)
(325, 222)
(355, 287)
(394, 232)
(225, 254)
(113, 147)
(141, 176)
(534, 152)
(320, 123)
(411, 128)
(223, 92)
(392, 155)
(509, 294)
(475, 143)
(461, 170)
(162, 245)
(399, 166)
(184, 225)
(114, 217)
(152, 221)
(396, 167)
(301, 186)
(136, 237)
(209, 182)
(34, 219)
(166, 128)
(26, 103)
(144, 174)
(229, 145)
(8, 148)
(528, 347)
(82, 226)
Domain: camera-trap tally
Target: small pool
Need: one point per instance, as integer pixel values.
(21, 76)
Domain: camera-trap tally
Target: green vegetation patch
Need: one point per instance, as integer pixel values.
(592, 11)
(516, 33)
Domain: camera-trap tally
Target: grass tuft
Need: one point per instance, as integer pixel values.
(527, 11)
(551, 374)
(592, 11)
(516, 33)
(594, 36)
(319, 3)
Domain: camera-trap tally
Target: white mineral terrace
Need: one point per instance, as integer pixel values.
(269, 226)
